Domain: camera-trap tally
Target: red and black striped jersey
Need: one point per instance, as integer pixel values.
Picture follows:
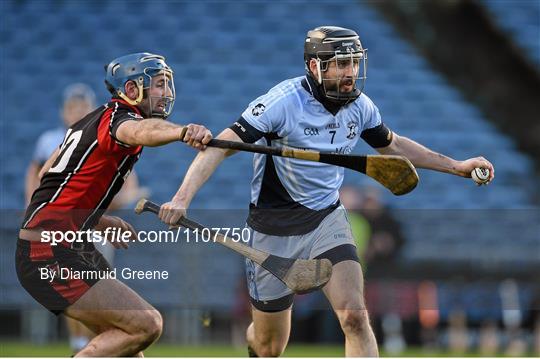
(88, 172)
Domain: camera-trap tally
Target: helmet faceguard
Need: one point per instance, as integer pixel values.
(144, 69)
(342, 47)
(161, 105)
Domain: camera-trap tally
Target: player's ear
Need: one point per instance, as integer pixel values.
(313, 67)
(131, 90)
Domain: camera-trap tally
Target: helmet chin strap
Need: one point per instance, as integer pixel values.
(317, 91)
(139, 98)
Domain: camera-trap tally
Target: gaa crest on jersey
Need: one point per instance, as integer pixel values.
(258, 109)
(352, 127)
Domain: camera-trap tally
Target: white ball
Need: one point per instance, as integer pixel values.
(480, 175)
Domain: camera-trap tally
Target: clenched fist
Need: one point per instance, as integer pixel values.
(171, 212)
(197, 136)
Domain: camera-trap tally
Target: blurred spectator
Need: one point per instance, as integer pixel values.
(488, 344)
(377, 234)
(394, 343)
(428, 313)
(79, 100)
(351, 198)
(512, 317)
(517, 346)
(385, 240)
(458, 333)
(378, 240)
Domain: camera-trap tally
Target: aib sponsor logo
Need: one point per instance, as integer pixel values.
(311, 131)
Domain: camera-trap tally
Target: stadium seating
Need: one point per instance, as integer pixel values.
(224, 55)
(519, 20)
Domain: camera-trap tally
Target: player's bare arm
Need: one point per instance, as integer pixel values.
(423, 157)
(198, 173)
(156, 132)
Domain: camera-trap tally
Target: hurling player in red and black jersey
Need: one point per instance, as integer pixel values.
(77, 185)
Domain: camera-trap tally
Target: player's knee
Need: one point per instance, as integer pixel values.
(155, 325)
(355, 322)
(151, 328)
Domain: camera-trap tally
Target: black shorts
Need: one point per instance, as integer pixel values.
(36, 262)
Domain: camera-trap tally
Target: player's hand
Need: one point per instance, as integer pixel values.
(171, 212)
(125, 227)
(197, 136)
(465, 168)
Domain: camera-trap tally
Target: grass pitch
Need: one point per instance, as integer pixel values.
(22, 349)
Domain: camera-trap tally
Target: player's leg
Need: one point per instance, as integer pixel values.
(334, 240)
(345, 293)
(79, 334)
(268, 333)
(271, 300)
(125, 324)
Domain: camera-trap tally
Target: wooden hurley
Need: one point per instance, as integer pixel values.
(300, 275)
(396, 173)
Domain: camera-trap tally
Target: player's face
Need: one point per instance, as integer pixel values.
(75, 109)
(341, 74)
(159, 95)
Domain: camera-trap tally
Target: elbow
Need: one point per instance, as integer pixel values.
(396, 146)
(393, 148)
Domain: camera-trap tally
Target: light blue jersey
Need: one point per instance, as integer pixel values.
(289, 115)
(301, 121)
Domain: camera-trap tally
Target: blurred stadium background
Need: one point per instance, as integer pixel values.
(462, 77)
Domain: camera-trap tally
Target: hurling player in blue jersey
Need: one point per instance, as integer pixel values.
(295, 210)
